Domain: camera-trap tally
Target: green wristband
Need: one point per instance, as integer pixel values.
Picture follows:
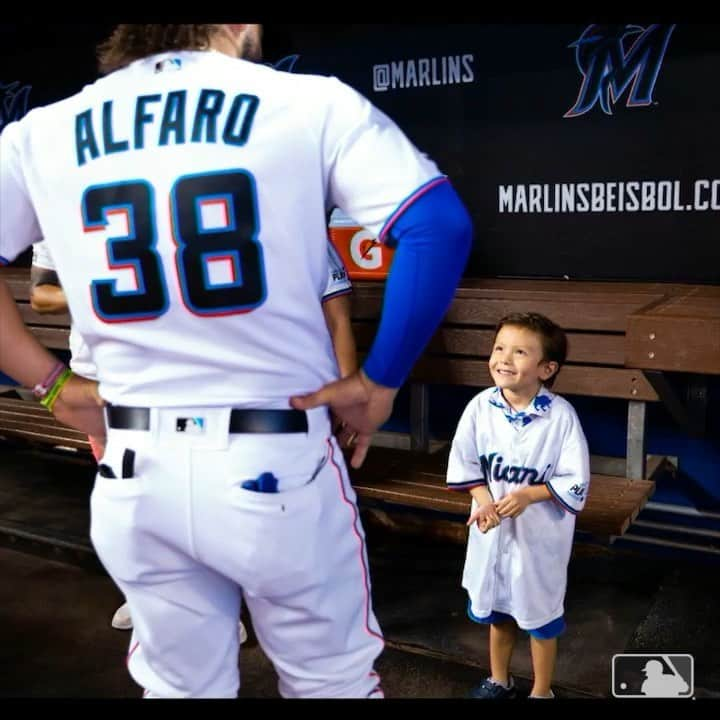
(52, 394)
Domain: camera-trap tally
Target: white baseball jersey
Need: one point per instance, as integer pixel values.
(80, 359)
(520, 567)
(338, 283)
(186, 218)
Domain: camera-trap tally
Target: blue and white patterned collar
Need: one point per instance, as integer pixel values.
(539, 406)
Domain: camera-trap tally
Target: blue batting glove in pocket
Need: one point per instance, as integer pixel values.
(266, 482)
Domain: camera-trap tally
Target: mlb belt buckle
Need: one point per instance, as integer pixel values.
(190, 425)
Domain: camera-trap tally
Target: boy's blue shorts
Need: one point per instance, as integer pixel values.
(545, 632)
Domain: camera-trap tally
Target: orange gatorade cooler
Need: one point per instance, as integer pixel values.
(365, 258)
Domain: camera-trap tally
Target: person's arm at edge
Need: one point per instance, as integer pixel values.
(25, 360)
(22, 357)
(336, 310)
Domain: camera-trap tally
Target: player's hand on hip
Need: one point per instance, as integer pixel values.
(485, 516)
(357, 401)
(79, 405)
(513, 504)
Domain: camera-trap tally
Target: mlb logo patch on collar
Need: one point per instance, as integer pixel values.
(170, 64)
(190, 426)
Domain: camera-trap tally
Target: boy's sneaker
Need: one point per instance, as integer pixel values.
(490, 690)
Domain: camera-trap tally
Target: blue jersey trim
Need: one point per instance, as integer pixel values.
(467, 485)
(414, 195)
(557, 497)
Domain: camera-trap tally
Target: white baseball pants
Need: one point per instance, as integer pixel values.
(182, 539)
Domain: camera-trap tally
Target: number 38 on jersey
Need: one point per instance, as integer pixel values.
(232, 238)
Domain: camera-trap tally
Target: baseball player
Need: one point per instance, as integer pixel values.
(183, 197)
(521, 453)
(48, 297)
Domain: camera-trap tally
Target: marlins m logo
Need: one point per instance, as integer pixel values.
(13, 102)
(608, 68)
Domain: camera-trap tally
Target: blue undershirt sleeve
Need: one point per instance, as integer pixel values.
(433, 237)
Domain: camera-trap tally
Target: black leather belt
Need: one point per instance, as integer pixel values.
(249, 420)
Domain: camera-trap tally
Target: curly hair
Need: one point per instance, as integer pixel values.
(132, 42)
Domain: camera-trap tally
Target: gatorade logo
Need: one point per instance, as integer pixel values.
(366, 252)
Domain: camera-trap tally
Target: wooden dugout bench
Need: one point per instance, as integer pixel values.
(623, 339)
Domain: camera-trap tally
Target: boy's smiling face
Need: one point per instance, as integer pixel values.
(517, 364)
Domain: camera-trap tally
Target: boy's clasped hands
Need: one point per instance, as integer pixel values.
(488, 516)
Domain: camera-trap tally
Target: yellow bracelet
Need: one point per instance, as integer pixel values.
(52, 394)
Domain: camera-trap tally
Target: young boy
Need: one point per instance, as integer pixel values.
(521, 453)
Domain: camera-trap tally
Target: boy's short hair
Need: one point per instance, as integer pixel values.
(552, 337)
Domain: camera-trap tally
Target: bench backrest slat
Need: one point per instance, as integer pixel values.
(30, 317)
(51, 337)
(573, 380)
(582, 347)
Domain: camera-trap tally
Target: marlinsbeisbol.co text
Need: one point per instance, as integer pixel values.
(606, 197)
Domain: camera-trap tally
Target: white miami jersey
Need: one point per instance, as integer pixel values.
(80, 359)
(520, 567)
(184, 202)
